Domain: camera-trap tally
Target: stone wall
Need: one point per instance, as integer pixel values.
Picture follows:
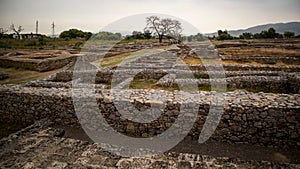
(276, 81)
(41, 146)
(294, 82)
(264, 60)
(106, 74)
(256, 118)
(38, 65)
(243, 67)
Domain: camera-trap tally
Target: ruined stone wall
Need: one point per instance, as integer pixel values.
(40, 65)
(256, 118)
(264, 60)
(294, 82)
(243, 67)
(275, 81)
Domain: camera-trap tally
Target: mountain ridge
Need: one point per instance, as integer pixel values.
(279, 27)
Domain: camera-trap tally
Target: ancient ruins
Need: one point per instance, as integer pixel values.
(261, 103)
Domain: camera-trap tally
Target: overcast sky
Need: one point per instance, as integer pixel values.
(93, 15)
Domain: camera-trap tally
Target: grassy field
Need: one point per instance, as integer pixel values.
(42, 43)
(117, 59)
(148, 84)
(138, 83)
(60, 43)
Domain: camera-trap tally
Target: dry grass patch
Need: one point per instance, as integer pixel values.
(18, 75)
(267, 52)
(138, 83)
(117, 59)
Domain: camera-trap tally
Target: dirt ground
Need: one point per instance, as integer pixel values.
(215, 149)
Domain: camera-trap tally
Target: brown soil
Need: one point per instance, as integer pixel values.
(215, 149)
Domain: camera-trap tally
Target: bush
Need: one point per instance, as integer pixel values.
(289, 34)
(197, 37)
(139, 35)
(32, 43)
(224, 36)
(78, 45)
(269, 34)
(246, 35)
(42, 41)
(107, 36)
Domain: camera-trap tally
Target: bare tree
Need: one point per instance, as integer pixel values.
(162, 27)
(17, 30)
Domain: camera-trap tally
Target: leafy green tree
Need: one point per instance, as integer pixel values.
(190, 38)
(199, 37)
(108, 36)
(75, 33)
(42, 40)
(269, 34)
(147, 34)
(138, 35)
(220, 32)
(289, 34)
(247, 35)
(223, 35)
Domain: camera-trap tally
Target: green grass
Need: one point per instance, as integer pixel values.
(138, 83)
(117, 59)
(46, 43)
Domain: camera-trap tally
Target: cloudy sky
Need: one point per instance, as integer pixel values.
(93, 15)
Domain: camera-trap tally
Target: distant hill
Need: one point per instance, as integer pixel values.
(279, 27)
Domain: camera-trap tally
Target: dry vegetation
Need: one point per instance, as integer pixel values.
(18, 75)
(117, 59)
(254, 52)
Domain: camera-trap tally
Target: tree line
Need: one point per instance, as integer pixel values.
(156, 27)
(265, 34)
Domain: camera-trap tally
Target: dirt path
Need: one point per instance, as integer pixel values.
(215, 149)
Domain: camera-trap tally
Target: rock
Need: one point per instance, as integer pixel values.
(234, 138)
(237, 118)
(167, 81)
(130, 129)
(3, 75)
(294, 135)
(263, 114)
